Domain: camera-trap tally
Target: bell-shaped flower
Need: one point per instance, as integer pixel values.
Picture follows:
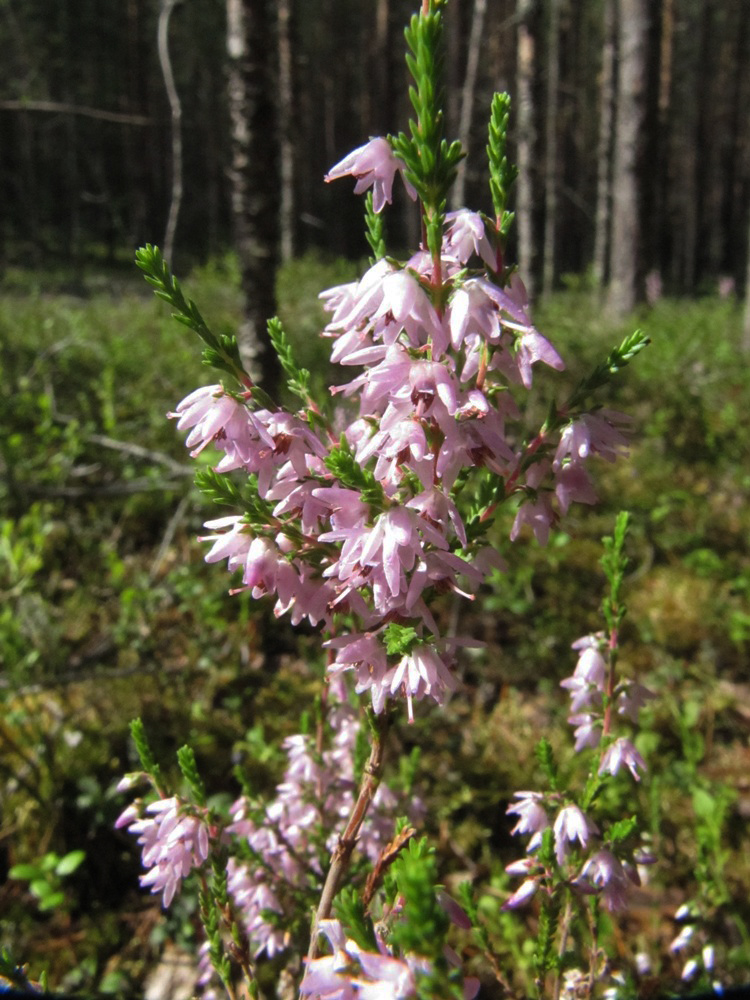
(571, 824)
(622, 752)
(374, 165)
(465, 235)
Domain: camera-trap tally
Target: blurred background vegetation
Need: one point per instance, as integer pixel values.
(107, 610)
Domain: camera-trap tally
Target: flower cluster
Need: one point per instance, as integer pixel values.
(690, 935)
(291, 838)
(364, 517)
(352, 973)
(589, 863)
(174, 838)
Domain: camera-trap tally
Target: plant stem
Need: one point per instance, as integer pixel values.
(342, 853)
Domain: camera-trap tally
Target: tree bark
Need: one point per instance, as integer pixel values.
(550, 151)
(286, 147)
(626, 269)
(254, 178)
(525, 132)
(746, 324)
(604, 148)
(458, 195)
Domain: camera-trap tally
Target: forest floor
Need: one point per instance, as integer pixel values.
(108, 612)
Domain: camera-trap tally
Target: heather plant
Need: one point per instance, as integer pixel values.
(355, 514)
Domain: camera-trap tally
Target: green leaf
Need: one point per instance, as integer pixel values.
(52, 901)
(25, 872)
(345, 467)
(622, 829)
(704, 804)
(68, 864)
(148, 761)
(189, 768)
(400, 639)
(40, 888)
(350, 910)
(298, 379)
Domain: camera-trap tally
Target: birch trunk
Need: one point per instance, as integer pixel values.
(632, 20)
(254, 178)
(525, 132)
(468, 91)
(550, 152)
(604, 149)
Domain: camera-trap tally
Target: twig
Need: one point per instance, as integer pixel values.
(111, 490)
(138, 451)
(174, 522)
(167, 6)
(343, 851)
(61, 108)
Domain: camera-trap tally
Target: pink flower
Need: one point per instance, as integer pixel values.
(364, 654)
(587, 732)
(374, 165)
(571, 824)
(466, 235)
(174, 842)
(622, 752)
(422, 672)
(522, 894)
(603, 871)
(531, 812)
(600, 433)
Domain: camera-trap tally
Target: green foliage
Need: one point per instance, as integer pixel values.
(414, 875)
(145, 754)
(345, 467)
(545, 755)
(81, 604)
(189, 768)
(45, 877)
(431, 162)
(617, 359)
(298, 379)
(375, 229)
(400, 639)
(502, 173)
(615, 563)
(349, 909)
(221, 351)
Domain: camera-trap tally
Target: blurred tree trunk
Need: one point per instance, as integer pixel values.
(286, 147)
(746, 324)
(550, 144)
(380, 112)
(602, 225)
(525, 133)
(626, 255)
(468, 92)
(254, 177)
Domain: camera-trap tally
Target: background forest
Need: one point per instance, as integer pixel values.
(86, 161)
(207, 126)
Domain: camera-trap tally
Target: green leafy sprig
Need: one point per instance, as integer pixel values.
(298, 379)
(414, 874)
(617, 359)
(147, 759)
(502, 172)
(222, 351)
(189, 768)
(614, 562)
(375, 231)
(430, 161)
(342, 462)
